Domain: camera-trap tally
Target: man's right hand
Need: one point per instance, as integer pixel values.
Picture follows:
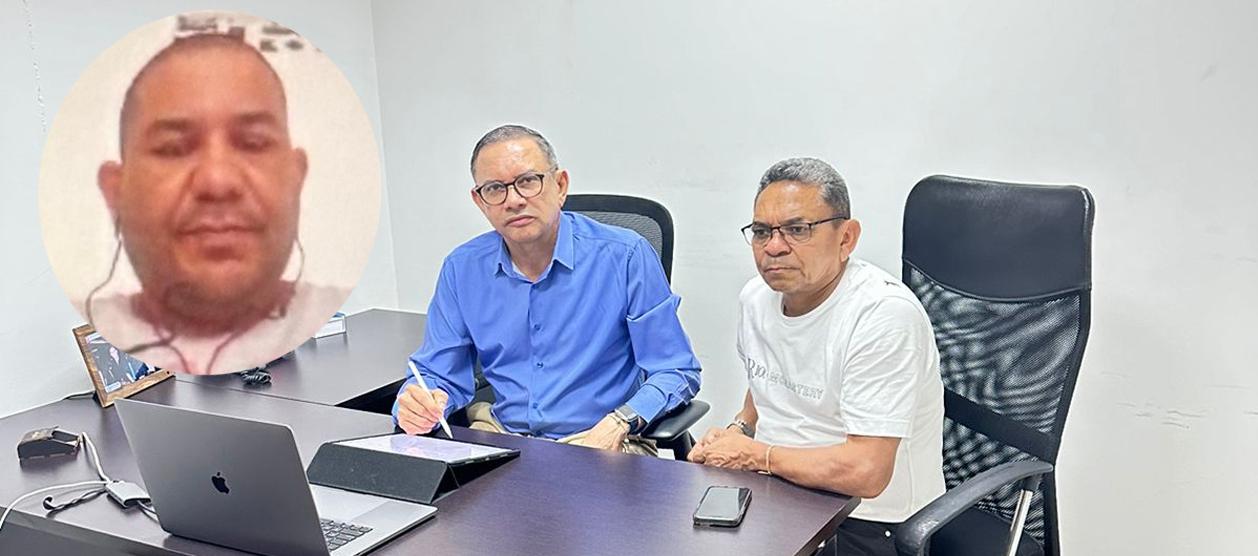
(418, 410)
(714, 433)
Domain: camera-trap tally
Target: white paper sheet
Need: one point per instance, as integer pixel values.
(439, 449)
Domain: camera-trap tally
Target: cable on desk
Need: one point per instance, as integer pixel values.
(53, 507)
(56, 507)
(95, 458)
(149, 510)
(258, 376)
(19, 499)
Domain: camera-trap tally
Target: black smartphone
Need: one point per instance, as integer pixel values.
(722, 506)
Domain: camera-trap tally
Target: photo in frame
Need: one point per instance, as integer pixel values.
(114, 373)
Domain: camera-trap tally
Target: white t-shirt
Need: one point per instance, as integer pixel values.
(864, 362)
(309, 309)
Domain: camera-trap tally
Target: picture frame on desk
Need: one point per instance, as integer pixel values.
(114, 373)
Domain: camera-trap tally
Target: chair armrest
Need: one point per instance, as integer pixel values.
(913, 536)
(478, 375)
(676, 422)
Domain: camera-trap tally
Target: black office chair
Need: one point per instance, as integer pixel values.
(649, 218)
(653, 222)
(1005, 273)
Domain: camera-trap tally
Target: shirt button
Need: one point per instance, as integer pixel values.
(540, 364)
(534, 405)
(537, 327)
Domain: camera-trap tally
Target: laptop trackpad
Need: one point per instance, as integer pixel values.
(343, 505)
(366, 509)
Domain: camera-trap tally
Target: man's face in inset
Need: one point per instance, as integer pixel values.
(207, 194)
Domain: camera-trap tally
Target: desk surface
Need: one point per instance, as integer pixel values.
(553, 499)
(562, 499)
(100, 522)
(350, 370)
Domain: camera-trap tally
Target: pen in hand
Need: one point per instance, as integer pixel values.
(420, 381)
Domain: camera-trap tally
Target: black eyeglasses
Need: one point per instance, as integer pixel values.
(526, 186)
(799, 232)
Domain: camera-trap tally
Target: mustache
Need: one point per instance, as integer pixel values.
(775, 263)
(219, 220)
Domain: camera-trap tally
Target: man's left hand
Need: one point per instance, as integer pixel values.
(731, 451)
(608, 434)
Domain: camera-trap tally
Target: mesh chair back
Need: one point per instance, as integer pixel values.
(649, 218)
(1004, 271)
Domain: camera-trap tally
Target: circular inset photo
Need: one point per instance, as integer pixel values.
(209, 192)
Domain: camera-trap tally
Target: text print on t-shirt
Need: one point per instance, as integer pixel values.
(757, 371)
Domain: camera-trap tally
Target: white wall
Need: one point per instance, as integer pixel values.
(42, 362)
(1148, 104)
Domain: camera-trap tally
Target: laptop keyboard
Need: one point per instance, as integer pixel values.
(337, 533)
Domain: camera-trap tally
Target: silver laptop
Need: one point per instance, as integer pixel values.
(240, 483)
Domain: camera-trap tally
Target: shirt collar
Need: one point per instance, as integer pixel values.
(563, 249)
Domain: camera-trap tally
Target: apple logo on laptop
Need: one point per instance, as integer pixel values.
(220, 482)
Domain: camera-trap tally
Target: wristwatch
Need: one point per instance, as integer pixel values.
(629, 417)
(743, 427)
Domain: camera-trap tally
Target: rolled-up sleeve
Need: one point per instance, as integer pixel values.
(660, 346)
(446, 357)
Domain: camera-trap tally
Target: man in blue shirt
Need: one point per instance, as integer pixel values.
(573, 321)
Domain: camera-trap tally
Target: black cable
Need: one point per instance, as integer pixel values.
(280, 313)
(54, 508)
(98, 488)
(70, 486)
(100, 472)
(113, 267)
(255, 377)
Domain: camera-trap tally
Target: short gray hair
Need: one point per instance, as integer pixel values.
(509, 132)
(811, 171)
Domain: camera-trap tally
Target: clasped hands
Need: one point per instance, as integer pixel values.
(731, 449)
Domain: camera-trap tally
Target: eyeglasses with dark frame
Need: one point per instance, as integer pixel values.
(796, 233)
(527, 186)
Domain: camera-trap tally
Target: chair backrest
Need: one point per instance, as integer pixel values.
(649, 218)
(1005, 273)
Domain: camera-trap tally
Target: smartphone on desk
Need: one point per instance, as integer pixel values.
(722, 506)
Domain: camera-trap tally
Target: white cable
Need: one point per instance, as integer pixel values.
(15, 502)
(148, 510)
(104, 479)
(95, 458)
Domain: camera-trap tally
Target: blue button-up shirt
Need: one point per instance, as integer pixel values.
(598, 329)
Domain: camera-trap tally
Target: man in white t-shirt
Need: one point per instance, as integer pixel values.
(844, 389)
